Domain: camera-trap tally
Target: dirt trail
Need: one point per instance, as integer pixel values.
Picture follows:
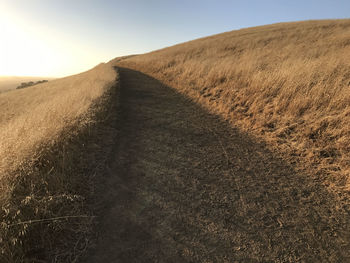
(185, 187)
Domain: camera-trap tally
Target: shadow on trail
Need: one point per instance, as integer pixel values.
(184, 186)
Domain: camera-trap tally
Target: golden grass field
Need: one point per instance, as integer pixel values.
(287, 83)
(35, 116)
(40, 126)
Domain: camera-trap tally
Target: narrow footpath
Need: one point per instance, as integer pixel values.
(184, 186)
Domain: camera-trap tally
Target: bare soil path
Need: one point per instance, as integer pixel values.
(183, 186)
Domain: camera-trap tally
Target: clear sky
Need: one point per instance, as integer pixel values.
(64, 37)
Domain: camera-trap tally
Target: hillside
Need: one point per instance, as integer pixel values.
(233, 148)
(50, 151)
(229, 148)
(288, 84)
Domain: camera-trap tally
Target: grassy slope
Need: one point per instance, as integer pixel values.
(288, 83)
(33, 116)
(45, 134)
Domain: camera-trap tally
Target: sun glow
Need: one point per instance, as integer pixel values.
(22, 53)
(28, 49)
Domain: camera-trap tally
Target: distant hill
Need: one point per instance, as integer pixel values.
(12, 82)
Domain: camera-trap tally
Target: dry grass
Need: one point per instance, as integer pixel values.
(288, 83)
(45, 146)
(35, 116)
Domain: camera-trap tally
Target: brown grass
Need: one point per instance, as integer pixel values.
(287, 83)
(37, 115)
(48, 146)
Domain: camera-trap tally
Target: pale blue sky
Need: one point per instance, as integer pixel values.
(62, 37)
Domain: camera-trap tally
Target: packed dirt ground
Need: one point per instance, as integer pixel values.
(184, 186)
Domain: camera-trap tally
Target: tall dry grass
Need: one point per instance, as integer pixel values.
(48, 143)
(287, 83)
(37, 115)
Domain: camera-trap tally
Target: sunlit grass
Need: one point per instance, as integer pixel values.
(288, 83)
(45, 131)
(36, 115)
